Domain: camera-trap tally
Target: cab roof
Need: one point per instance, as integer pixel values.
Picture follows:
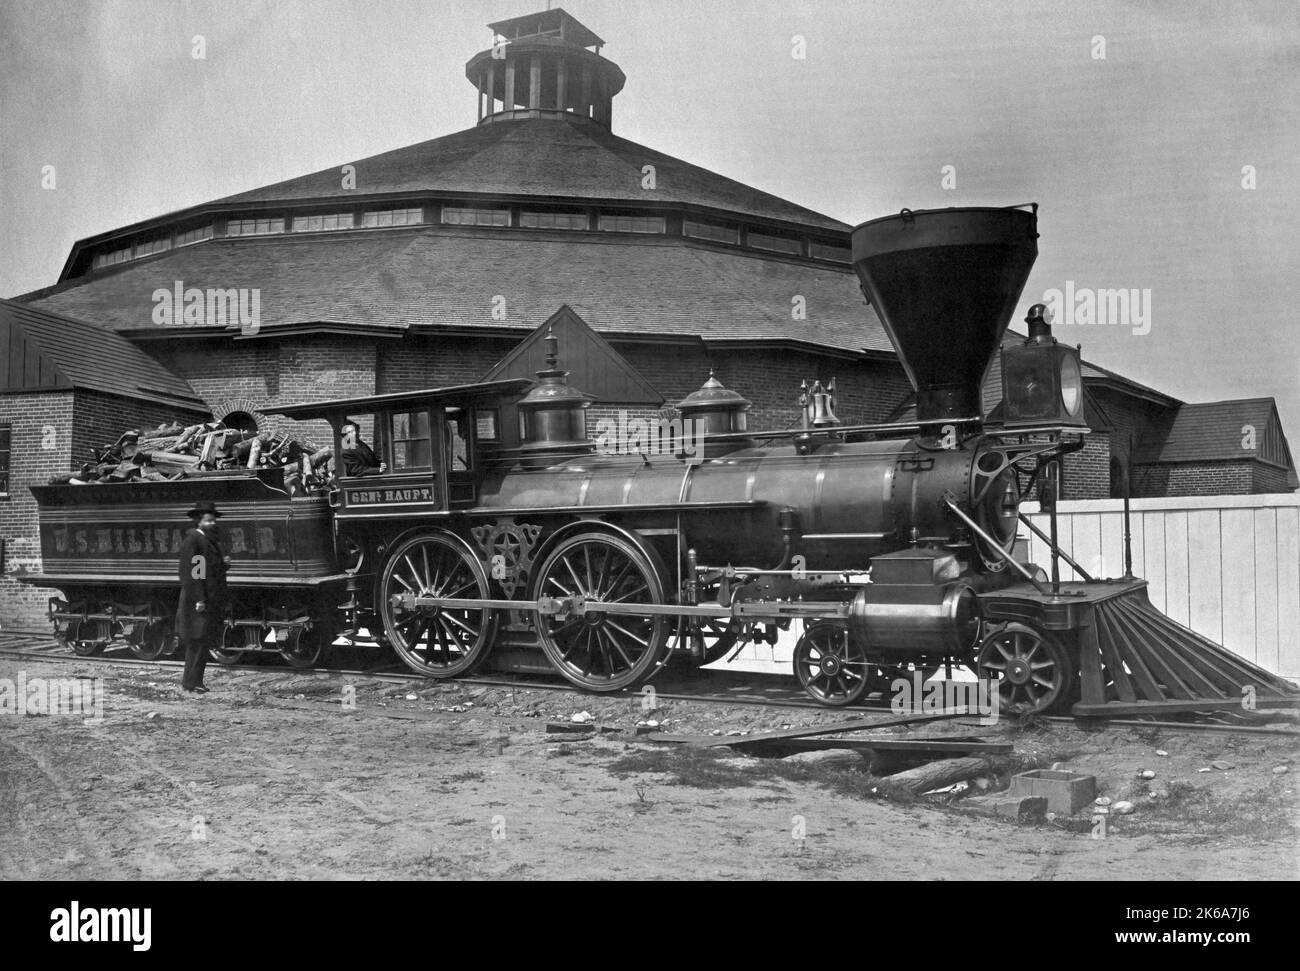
(460, 393)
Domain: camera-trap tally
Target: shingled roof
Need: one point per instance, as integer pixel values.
(444, 277)
(559, 158)
(1243, 428)
(46, 351)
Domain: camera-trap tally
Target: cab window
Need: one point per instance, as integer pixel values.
(412, 448)
(457, 439)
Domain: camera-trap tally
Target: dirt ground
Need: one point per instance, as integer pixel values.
(275, 776)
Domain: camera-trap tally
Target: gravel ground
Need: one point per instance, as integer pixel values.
(275, 776)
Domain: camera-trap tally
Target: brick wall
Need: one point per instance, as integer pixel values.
(259, 374)
(37, 421)
(1196, 479)
(72, 424)
(1269, 478)
(99, 419)
(417, 362)
(1086, 473)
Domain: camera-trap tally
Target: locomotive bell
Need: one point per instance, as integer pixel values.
(1042, 379)
(819, 404)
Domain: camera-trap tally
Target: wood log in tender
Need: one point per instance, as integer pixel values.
(161, 456)
(187, 436)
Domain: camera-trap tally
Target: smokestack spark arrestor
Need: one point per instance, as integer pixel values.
(944, 283)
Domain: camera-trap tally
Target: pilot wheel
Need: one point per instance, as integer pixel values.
(832, 665)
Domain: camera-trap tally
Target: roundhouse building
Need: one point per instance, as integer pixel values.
(435, 263)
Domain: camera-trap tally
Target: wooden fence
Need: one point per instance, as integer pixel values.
(1226, 566)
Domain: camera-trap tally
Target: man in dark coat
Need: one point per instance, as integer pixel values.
(358, 457)
(202, 570)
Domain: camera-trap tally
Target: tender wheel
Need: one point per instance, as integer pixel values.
(303, 648)
(235, 641)
(597, 650)
(832, 665)
(89, 637)
(153, 640)
(436, 641)
(1032, 670)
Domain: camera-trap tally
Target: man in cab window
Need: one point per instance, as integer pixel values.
(358, 457)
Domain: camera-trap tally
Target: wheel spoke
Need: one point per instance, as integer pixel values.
(609, 588)
(563, 589)
(623, 599)
(453, 619)
(627, 633)
(614, 643)
(591, 576)
(415, 574)
(574, 573)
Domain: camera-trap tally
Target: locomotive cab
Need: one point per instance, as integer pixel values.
(430, 447)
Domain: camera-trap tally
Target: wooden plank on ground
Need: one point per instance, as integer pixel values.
(713, 741)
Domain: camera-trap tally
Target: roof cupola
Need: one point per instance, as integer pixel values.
(544, 65)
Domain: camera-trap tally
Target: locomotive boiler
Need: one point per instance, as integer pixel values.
(500, 533)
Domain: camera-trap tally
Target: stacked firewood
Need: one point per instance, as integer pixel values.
(175, 451)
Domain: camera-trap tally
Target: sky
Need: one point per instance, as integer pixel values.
(1160, 139)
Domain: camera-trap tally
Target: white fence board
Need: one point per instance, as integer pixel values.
(1176, 565)
(1288, 591)
(1153, 562)
(1265, 600)
(1226, 566)
(1240, 585)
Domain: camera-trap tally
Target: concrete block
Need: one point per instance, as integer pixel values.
(1065, 791)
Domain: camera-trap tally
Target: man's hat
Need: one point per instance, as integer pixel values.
(201, 508)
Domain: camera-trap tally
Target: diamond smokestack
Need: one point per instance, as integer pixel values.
(945, 283)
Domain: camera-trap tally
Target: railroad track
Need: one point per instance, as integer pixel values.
(42, 647)
(29, 645)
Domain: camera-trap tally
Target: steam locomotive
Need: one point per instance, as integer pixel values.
(499, 533)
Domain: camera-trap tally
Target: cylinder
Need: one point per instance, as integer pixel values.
(917, 619)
